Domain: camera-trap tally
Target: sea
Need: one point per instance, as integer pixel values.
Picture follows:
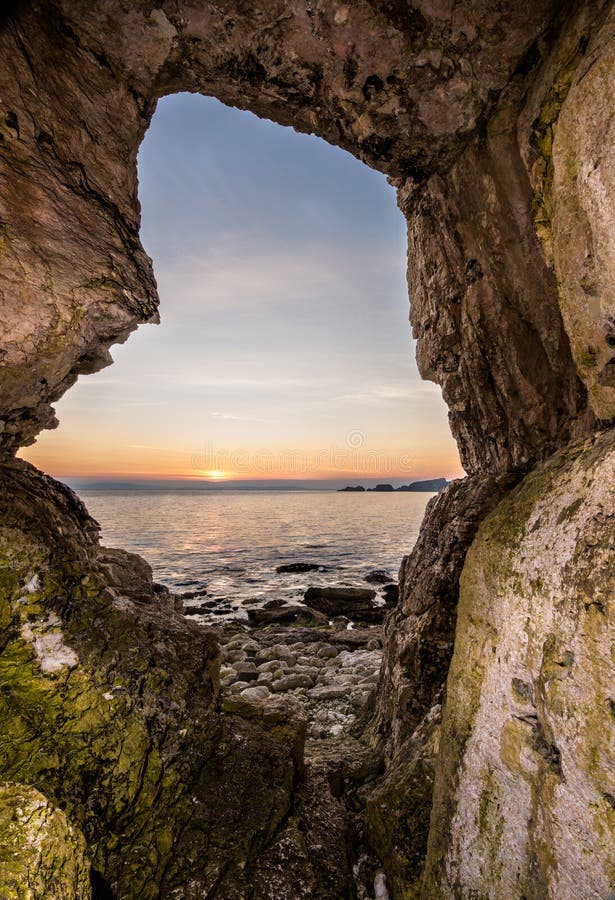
(229, 543)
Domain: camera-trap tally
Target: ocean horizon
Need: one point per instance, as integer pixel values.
(185, 484)
(227, 545)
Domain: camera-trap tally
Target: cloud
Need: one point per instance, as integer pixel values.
(386, 393)
(234, 418)
(245, 267)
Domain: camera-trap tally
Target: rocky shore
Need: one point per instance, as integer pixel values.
(332, 673)
(325, 652)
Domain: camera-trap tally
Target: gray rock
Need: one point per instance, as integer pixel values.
(291, 683)
(328, 692)
(335, 601)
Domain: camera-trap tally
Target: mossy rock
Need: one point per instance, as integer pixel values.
(110, 708)
(524, 790)
(41, 853)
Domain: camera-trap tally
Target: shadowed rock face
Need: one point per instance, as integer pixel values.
(494, 121)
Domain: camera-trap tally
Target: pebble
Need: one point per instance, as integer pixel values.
(246, 671)
(234, 655)
(270, 666)
(331, 678)
(328, 692)
(327, 652)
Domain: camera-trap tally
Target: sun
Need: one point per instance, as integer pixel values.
(214, 475)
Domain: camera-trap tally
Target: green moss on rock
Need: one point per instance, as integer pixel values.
(109, 703)
(41, 854)
(528, 738)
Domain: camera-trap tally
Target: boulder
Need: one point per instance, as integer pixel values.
(336, 601)
(287, 615)
(390, 593)
(41, 853)
(378, 576)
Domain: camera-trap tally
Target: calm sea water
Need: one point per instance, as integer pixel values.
(231, 542)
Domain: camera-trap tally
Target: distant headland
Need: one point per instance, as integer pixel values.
(432, 484)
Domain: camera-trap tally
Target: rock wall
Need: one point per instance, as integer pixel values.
(584, 218)
(525, 786)
(403, 89)
(495, 123)
(110, 709)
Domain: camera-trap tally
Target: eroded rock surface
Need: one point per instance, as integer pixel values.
(525, 784)
(110, 710)
(404, 88)
(584, 216)
(41, 853)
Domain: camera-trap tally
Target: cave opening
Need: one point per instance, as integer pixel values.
(278, 256)
(283, 370)
(169, 759)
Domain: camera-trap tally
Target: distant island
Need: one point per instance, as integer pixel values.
(431, 484)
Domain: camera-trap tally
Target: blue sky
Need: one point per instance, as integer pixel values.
(281, 269)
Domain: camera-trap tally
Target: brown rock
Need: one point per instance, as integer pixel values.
(336, 601)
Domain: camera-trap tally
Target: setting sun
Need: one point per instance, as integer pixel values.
(215, 475)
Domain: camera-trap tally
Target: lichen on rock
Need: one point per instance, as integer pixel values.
(524, 781)
(110, 709)
(41, 854)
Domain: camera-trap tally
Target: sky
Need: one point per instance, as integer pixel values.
(284, 349)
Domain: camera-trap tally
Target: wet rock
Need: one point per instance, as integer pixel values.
(356, 637)
(192, 595)
(334, 601)
(378, 576)
(283, 615)
(300, 567)
(390, 592)
(286, 615)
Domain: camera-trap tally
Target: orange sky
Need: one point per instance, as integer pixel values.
(71, 453)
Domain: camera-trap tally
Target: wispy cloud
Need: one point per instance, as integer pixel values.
(243, 268)
(384, 393)
(236, 418)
